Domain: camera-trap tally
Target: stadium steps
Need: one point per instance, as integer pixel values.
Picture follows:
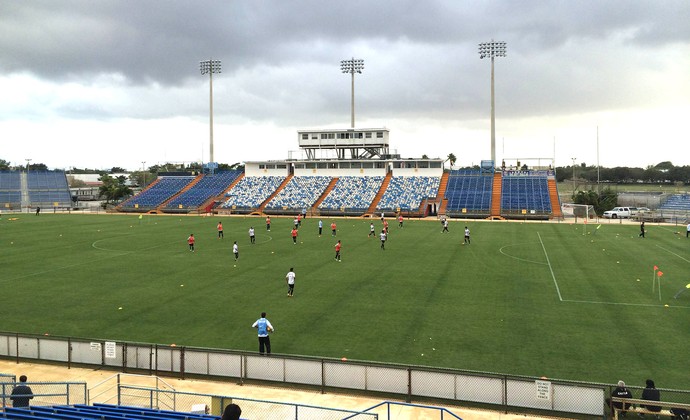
(329, 188)
(209, 203)
(375, 202)
(270, 197)
(187, 187)
(441, 195)
(556, 212)
(496, 197)
(151, 185)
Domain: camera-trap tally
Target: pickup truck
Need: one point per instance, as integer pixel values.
(620, 212)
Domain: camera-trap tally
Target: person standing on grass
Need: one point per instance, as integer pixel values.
(333, 229)
(299, 220)
(268, 223)
(220, 230)
(372, 230)
(21, 394)
(467, 236)
(385, 226)
(290, 280)
(383, 236)
(294, 235)
(400, 220)
(320, 227)
(236, 251)
(687, 232)
(190, 242)
(641, 235)
(337, 251)
(252, 237)
(264, 327)
(445, 226)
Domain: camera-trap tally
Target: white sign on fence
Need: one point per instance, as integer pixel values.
(95, 346)
(543, 390)
(110, 352)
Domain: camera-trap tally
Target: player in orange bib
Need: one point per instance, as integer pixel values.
(337, 251)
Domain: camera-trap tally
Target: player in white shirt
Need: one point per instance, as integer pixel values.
(290, 279)
(383, 239)
(252, 238)
(236, 251)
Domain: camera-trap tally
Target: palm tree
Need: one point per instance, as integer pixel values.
(451, 159)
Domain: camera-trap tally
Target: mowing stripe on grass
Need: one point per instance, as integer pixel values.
(673, 253)
(553, 276)
(650, 305)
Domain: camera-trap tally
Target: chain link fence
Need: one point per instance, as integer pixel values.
(47, 393)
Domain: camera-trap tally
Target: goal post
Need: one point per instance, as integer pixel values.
(583, 213)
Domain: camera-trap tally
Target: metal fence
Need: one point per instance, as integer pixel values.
(48, 393)
(410, 383)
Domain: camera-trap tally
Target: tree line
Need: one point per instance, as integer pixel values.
(663, 172)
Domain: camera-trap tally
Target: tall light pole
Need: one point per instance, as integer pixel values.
(209, 67)
(27, 164)
(491, 50)
(143, 169)
(352, 66)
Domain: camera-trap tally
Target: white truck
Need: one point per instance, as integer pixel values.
(620, 212)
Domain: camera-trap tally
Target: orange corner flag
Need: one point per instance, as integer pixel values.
(656, 268)
(659, 273)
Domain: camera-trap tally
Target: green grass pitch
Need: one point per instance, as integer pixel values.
(537, 299)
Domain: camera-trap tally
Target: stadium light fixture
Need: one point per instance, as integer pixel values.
(28, 161)
(573, 174)
(210, 67)
(143, 169)
(492, 50)
(352, 66)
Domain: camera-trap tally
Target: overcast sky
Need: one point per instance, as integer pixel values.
(116, 83)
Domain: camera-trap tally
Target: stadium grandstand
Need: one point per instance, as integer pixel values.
(352, 173)
(33, 189)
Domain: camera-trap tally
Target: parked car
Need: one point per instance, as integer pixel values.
(620, 212)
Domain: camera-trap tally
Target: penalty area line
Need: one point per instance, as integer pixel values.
(673, 253)
(649, 305)
(548, 261)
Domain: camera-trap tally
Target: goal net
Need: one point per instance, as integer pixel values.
(579, 213)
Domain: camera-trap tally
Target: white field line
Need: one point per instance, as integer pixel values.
(673, 253)
(553, 276)
(650, 305)
(518, 258)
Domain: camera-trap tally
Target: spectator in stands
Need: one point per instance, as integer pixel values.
(320, 227)
(220, 230)
(21, 394)
(264, 327)
(236, 251)
(641, 235)
(650, 393)
(268, 223)
(620, 392)
(290, 280)
(334, 229)
(232, 412)
(294, 235)
(337, 250)
(190, 242)
(252, 237)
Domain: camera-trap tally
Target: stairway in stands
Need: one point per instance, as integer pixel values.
(279, 189)
(329, 188)
(440, 196)
(496, 197)
(384, 186)
(555, 201)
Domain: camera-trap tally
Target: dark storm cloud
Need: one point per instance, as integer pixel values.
(281, 58)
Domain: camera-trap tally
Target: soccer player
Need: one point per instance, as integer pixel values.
(296, 223)
(445, 226)
(264, 327)
(320, 227)
(252, 238)
(333, 229)
(268, 223)
(687, 232)
(382, 236)
(642, 230)
(337, 251)
(236, 251)
(372, 230)
(299, 220)
(220, 230)
(290, 280)
(467, 236)
(294, 235)
(190, 242)
(400, 221)
(385, 226)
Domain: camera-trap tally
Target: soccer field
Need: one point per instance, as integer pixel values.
(537, 299)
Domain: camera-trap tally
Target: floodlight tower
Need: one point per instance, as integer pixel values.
(209, 67)
(491, 50)
(352, 66)
(28, 161)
